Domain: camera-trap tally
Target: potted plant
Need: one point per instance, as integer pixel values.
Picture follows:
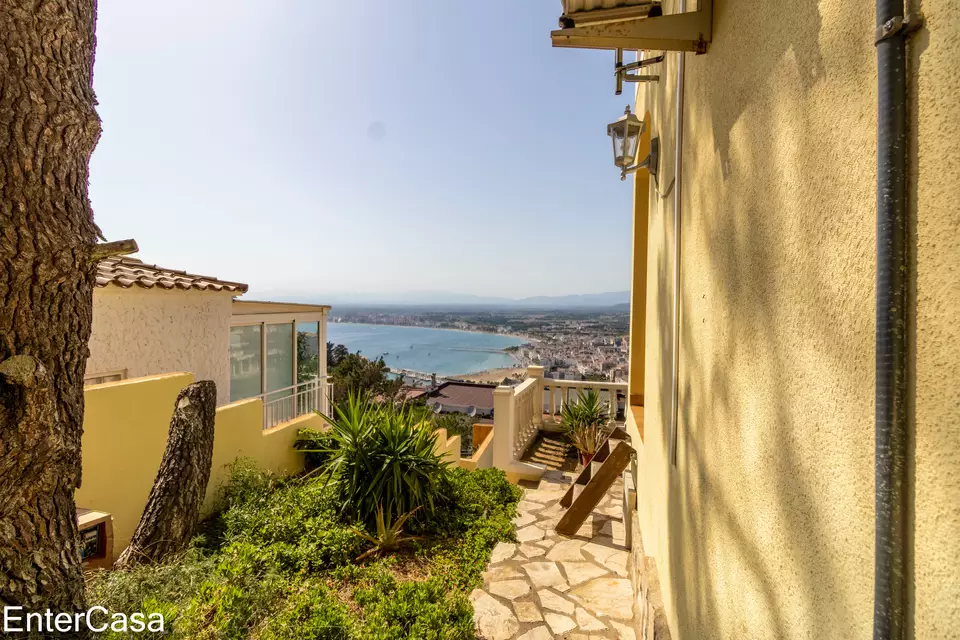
(585, 422)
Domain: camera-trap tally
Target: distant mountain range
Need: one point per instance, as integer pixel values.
(440, 299)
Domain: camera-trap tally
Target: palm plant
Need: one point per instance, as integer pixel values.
(389, 534)
(381, 456)
(586, 423)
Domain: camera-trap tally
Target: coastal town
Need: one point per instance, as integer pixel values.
(577, 344)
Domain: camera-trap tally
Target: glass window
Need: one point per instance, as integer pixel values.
(279, 356)
(244, 362)
(308, 351)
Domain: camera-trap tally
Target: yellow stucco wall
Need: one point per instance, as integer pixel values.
(125, 434)
(764, 528)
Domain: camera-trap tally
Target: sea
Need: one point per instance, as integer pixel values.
(442, 351)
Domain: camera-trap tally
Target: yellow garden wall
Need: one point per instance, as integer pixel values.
(125, 428)
(125, 434)
(764, 527)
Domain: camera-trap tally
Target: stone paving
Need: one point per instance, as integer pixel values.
(550, 586)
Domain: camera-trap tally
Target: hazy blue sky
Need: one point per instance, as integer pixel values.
(321, 146)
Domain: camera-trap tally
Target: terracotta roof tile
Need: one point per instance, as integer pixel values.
(126, 272)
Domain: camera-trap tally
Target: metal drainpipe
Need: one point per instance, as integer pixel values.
(891, 327)
(677, 185)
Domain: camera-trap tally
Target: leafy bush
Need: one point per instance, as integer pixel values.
(295, 526)
(281, 566)
(458, 424)
(159, 588)
(395, 610)
(313, 444)
(381, 455)
(311, 613)
(240, 591)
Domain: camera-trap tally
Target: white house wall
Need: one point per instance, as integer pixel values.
(151, 331)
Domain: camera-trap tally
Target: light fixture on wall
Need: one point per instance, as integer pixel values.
(625, 133)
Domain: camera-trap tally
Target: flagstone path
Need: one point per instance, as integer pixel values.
(549, 586)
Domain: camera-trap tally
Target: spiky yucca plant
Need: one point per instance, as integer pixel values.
(389, 534)
(586, 422)
(381, 455)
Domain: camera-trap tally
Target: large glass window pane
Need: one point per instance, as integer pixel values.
(308, 350)
(279, 357)
(244, 362)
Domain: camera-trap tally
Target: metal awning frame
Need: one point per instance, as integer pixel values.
(690, 31)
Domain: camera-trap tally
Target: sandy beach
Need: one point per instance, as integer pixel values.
(491, 375)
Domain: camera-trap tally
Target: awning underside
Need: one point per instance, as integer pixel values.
(632, 25)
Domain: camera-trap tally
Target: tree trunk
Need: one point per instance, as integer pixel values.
(172, 511)
(48, 129)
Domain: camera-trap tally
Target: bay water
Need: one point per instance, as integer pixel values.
(445, 352)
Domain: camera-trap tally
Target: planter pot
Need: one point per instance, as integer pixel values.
(585, 458)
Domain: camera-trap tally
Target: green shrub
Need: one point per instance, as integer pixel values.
(311, 613)
(296, 527)
(281, 566)
(381, 455)
(240, 591)
(157, 588)
(314, 444)
(458, 424)
(477, 514)
(399, 609)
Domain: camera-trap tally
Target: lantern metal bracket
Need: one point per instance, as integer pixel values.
(651, 162)
(620, 70)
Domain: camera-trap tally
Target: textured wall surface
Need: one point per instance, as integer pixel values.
(764, 527)
(125, 429)
(153, 331)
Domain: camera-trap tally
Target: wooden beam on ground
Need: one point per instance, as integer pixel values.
(593, 492)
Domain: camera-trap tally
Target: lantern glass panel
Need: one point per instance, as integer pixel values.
(631, 143)
(616, 132)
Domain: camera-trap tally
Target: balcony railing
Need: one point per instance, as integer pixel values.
(519, 413)
(283, 405)
(558, 393)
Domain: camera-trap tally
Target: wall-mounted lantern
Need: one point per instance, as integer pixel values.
(625, 133)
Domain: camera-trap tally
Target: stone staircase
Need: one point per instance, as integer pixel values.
(553, 451)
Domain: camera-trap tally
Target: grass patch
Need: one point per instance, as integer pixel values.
(277, 563)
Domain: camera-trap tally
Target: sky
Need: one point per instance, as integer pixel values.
(315, 147)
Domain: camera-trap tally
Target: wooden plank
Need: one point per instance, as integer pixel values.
(593, 492)
(602, 452)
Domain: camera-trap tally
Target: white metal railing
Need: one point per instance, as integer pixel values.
(283, 405)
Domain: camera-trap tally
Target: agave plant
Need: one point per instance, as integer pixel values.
(389, 534)
(586, 423)
(381, 456)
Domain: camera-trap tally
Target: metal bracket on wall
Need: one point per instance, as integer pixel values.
(620, 70)
(690, 31)
(893, 26)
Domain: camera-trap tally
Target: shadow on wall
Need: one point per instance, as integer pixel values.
(766, 37)
(770, 506)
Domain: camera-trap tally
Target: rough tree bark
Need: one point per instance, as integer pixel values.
(172, 511)
(48, 129)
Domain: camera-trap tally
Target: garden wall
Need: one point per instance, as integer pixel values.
(125, 430)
